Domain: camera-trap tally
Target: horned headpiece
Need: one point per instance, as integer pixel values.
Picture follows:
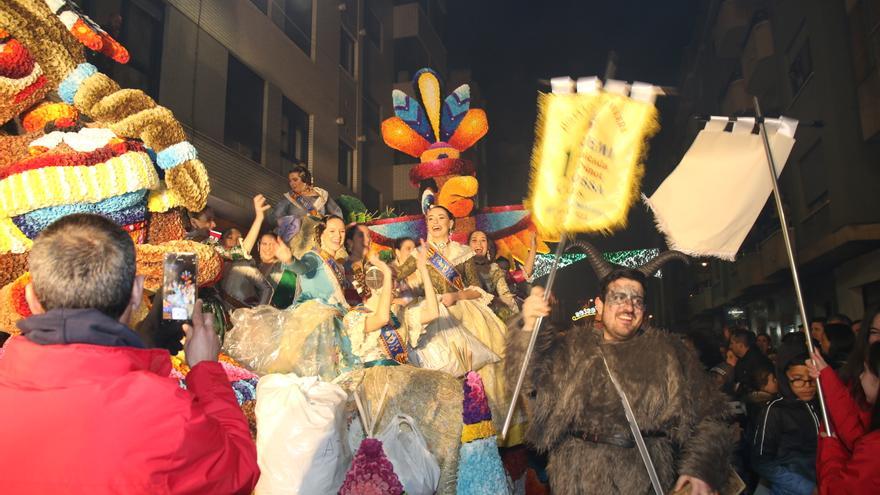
(603, 267)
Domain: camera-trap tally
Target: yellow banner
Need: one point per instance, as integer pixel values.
(586, 163)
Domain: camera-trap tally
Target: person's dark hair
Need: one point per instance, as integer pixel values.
(228, 232)
(398, 243)
(796, 360)
(744, 336)
(764, 334)
(207, 213)
(842, 340)
(273, 235)
(874, 366)
(350, 231)
(840, 318)
(758, 377)
(857, 358)
(619, 273)
(817, 319)
(303, 172)
(322, 226)
(441, 207)
(83, 261)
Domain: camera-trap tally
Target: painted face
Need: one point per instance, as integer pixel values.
(874, 332)
(439, 224)
(267, 249)
(763, 343)
(622, 310)
(402, 254)
(231, 239)
(331, 239)
(479, 243)
(296, 183)
(802, 385)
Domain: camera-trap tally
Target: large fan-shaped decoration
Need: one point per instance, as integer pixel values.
(437, 131)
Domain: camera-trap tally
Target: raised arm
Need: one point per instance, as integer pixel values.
(305, 266)
(260, 208)
(379, 318)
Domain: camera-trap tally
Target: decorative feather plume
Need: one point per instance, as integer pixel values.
(429, 91)
(408, 110)
(455, 106)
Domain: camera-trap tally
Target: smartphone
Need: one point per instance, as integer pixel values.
(180, 287)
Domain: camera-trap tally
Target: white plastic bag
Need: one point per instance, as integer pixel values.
(405, 447)
(301, 445)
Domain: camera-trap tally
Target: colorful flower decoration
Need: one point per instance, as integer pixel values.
(371, 472)
(87, 31)
(437, 131)
(480, 470)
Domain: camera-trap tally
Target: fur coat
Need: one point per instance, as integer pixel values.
(567, 388)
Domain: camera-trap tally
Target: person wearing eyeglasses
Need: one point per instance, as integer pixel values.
(577, 414)
(785, 436)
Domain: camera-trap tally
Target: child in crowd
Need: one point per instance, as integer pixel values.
(765, 388)
(785, 434)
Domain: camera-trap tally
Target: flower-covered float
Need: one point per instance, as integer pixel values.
(73, 141)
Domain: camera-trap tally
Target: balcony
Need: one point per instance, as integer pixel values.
(759, 59)
(731, 28)
(416, 42)
(737, 100)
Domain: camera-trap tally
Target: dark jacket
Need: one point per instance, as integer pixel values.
(785, 436)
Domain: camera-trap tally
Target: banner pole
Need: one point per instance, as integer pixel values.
(560, 248)
(790, 252)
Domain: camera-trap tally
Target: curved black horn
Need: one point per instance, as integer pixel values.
(600, 265)
(651, 267)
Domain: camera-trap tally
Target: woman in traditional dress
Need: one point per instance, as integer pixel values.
(490, 277)
(306, 338)
(463, 308)
(432, 398)
(304, 198)
(357, 244)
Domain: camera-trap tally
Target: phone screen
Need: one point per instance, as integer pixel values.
(180, 286)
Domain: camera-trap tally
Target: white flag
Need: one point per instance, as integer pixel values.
(708, 204)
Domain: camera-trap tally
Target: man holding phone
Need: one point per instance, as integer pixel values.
(87, 408)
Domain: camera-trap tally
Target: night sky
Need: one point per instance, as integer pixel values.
(509, 45)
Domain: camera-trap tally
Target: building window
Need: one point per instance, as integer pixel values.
(349, 13)
(371, 117)
(373, 27)
(294, 17)
(346, 165)
(243, 130)
(263, 5)
(294, 132)
(137, 25)
(801, 68)
(346, 51)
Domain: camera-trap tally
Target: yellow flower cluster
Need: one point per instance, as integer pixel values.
(483, 429)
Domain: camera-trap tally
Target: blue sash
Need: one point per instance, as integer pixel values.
(391, 341)
(444, 267)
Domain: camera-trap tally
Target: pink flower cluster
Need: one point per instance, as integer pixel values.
(235, 373)
(371, 473)
(476, 406)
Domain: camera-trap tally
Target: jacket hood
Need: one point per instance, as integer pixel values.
(793, 349)
(78, 326)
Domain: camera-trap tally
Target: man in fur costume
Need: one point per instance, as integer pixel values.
(577, 416)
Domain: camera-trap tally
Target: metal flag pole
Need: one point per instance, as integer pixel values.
(560, 248)
(790, 252)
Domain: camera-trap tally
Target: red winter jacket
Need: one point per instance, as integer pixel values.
(96, 419)
(849, 419)
(840, 473)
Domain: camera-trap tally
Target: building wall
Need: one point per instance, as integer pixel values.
(198, 38)
(797, 57)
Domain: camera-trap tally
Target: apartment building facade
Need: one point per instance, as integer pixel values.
(262, 85)
(814, 60)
